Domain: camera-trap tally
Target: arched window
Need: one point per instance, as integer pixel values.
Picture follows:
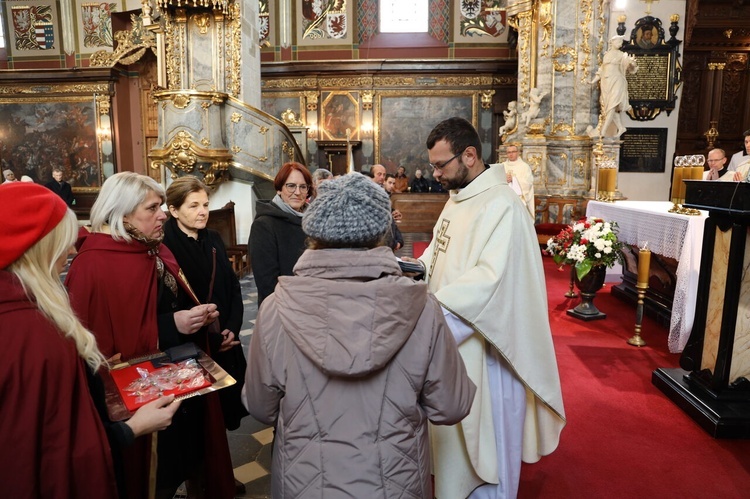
(398, 16)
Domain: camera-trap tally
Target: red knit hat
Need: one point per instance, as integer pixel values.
(31, 212)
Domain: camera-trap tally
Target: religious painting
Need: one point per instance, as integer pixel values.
(404, 120)
(324, 22)
(96, 19)
(39, 134)
(33, 28)
(481, 20)
(339, 118)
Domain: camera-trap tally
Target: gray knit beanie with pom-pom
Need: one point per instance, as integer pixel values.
(351, 209)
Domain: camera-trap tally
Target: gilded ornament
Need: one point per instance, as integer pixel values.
(311, 98)
(580, 166)
(535, 129)
(180, 100)
(564, 58)
(564, 128)
(486, 97)
(367, 99)
(290, 118)
(130, 47)
(534, 161)
(221, 5)
(202, 22)
(234, 50)
(205, 142)
(263, 130)
(585, 28)
(236, 117)
(288, 149)
(103, 103)
(545, 21)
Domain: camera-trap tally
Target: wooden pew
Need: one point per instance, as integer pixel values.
(222, 221)
(554, 213)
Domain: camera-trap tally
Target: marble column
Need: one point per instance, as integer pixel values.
(560, 45)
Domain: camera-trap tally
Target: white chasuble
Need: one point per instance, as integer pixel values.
(484, 266)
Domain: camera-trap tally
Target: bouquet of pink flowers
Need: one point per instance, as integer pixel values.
(585, 244)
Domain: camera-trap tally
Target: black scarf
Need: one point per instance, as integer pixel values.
(194, 256)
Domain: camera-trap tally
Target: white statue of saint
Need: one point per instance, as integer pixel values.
(511, 116)
(535, 100)
(613, 85)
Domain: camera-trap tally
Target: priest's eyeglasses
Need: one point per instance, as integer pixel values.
(445, 163)
(291, 188)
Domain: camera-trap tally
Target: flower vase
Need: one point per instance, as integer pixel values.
(588, 286)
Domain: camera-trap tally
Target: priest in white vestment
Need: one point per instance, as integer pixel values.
(520, 177)
(485, 268)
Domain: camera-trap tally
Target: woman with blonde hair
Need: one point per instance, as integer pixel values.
(52, 441)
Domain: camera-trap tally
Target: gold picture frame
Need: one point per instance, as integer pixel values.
(66, 126)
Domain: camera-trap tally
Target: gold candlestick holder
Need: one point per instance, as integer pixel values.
(676, 208)
(571, 293)
(636, 339)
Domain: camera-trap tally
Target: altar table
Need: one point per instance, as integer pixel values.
(669, 234)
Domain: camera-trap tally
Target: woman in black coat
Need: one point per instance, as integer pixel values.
(276, 238)
(202, 256)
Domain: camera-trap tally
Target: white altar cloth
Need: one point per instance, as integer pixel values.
(668, 234)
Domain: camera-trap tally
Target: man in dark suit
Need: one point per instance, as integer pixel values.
(60, 187)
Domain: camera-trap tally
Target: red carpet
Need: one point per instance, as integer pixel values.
(624, 438)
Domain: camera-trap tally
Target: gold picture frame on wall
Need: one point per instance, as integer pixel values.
(404, 119)
(48, 129)
(339, 116)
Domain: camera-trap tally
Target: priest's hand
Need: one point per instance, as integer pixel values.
(190, 321)
(228, 342)
(154, 416)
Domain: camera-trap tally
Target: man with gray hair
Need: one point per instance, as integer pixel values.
(60, 186)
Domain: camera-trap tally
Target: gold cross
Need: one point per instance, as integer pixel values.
(442, 244)
(648, 5)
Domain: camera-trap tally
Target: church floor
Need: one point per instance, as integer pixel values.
(250, 444)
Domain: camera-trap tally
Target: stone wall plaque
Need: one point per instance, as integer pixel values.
(652, 89)
(643, 150)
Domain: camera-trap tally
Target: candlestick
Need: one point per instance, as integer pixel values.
(644, 263)
(676, 182)
(571, 293)
(636, 339)
(683, 185)
(612, 180)
(697, 173)
(604, 181)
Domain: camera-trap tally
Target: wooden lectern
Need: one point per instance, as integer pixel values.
(713, 386)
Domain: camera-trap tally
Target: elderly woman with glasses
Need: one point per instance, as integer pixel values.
(276, 238)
